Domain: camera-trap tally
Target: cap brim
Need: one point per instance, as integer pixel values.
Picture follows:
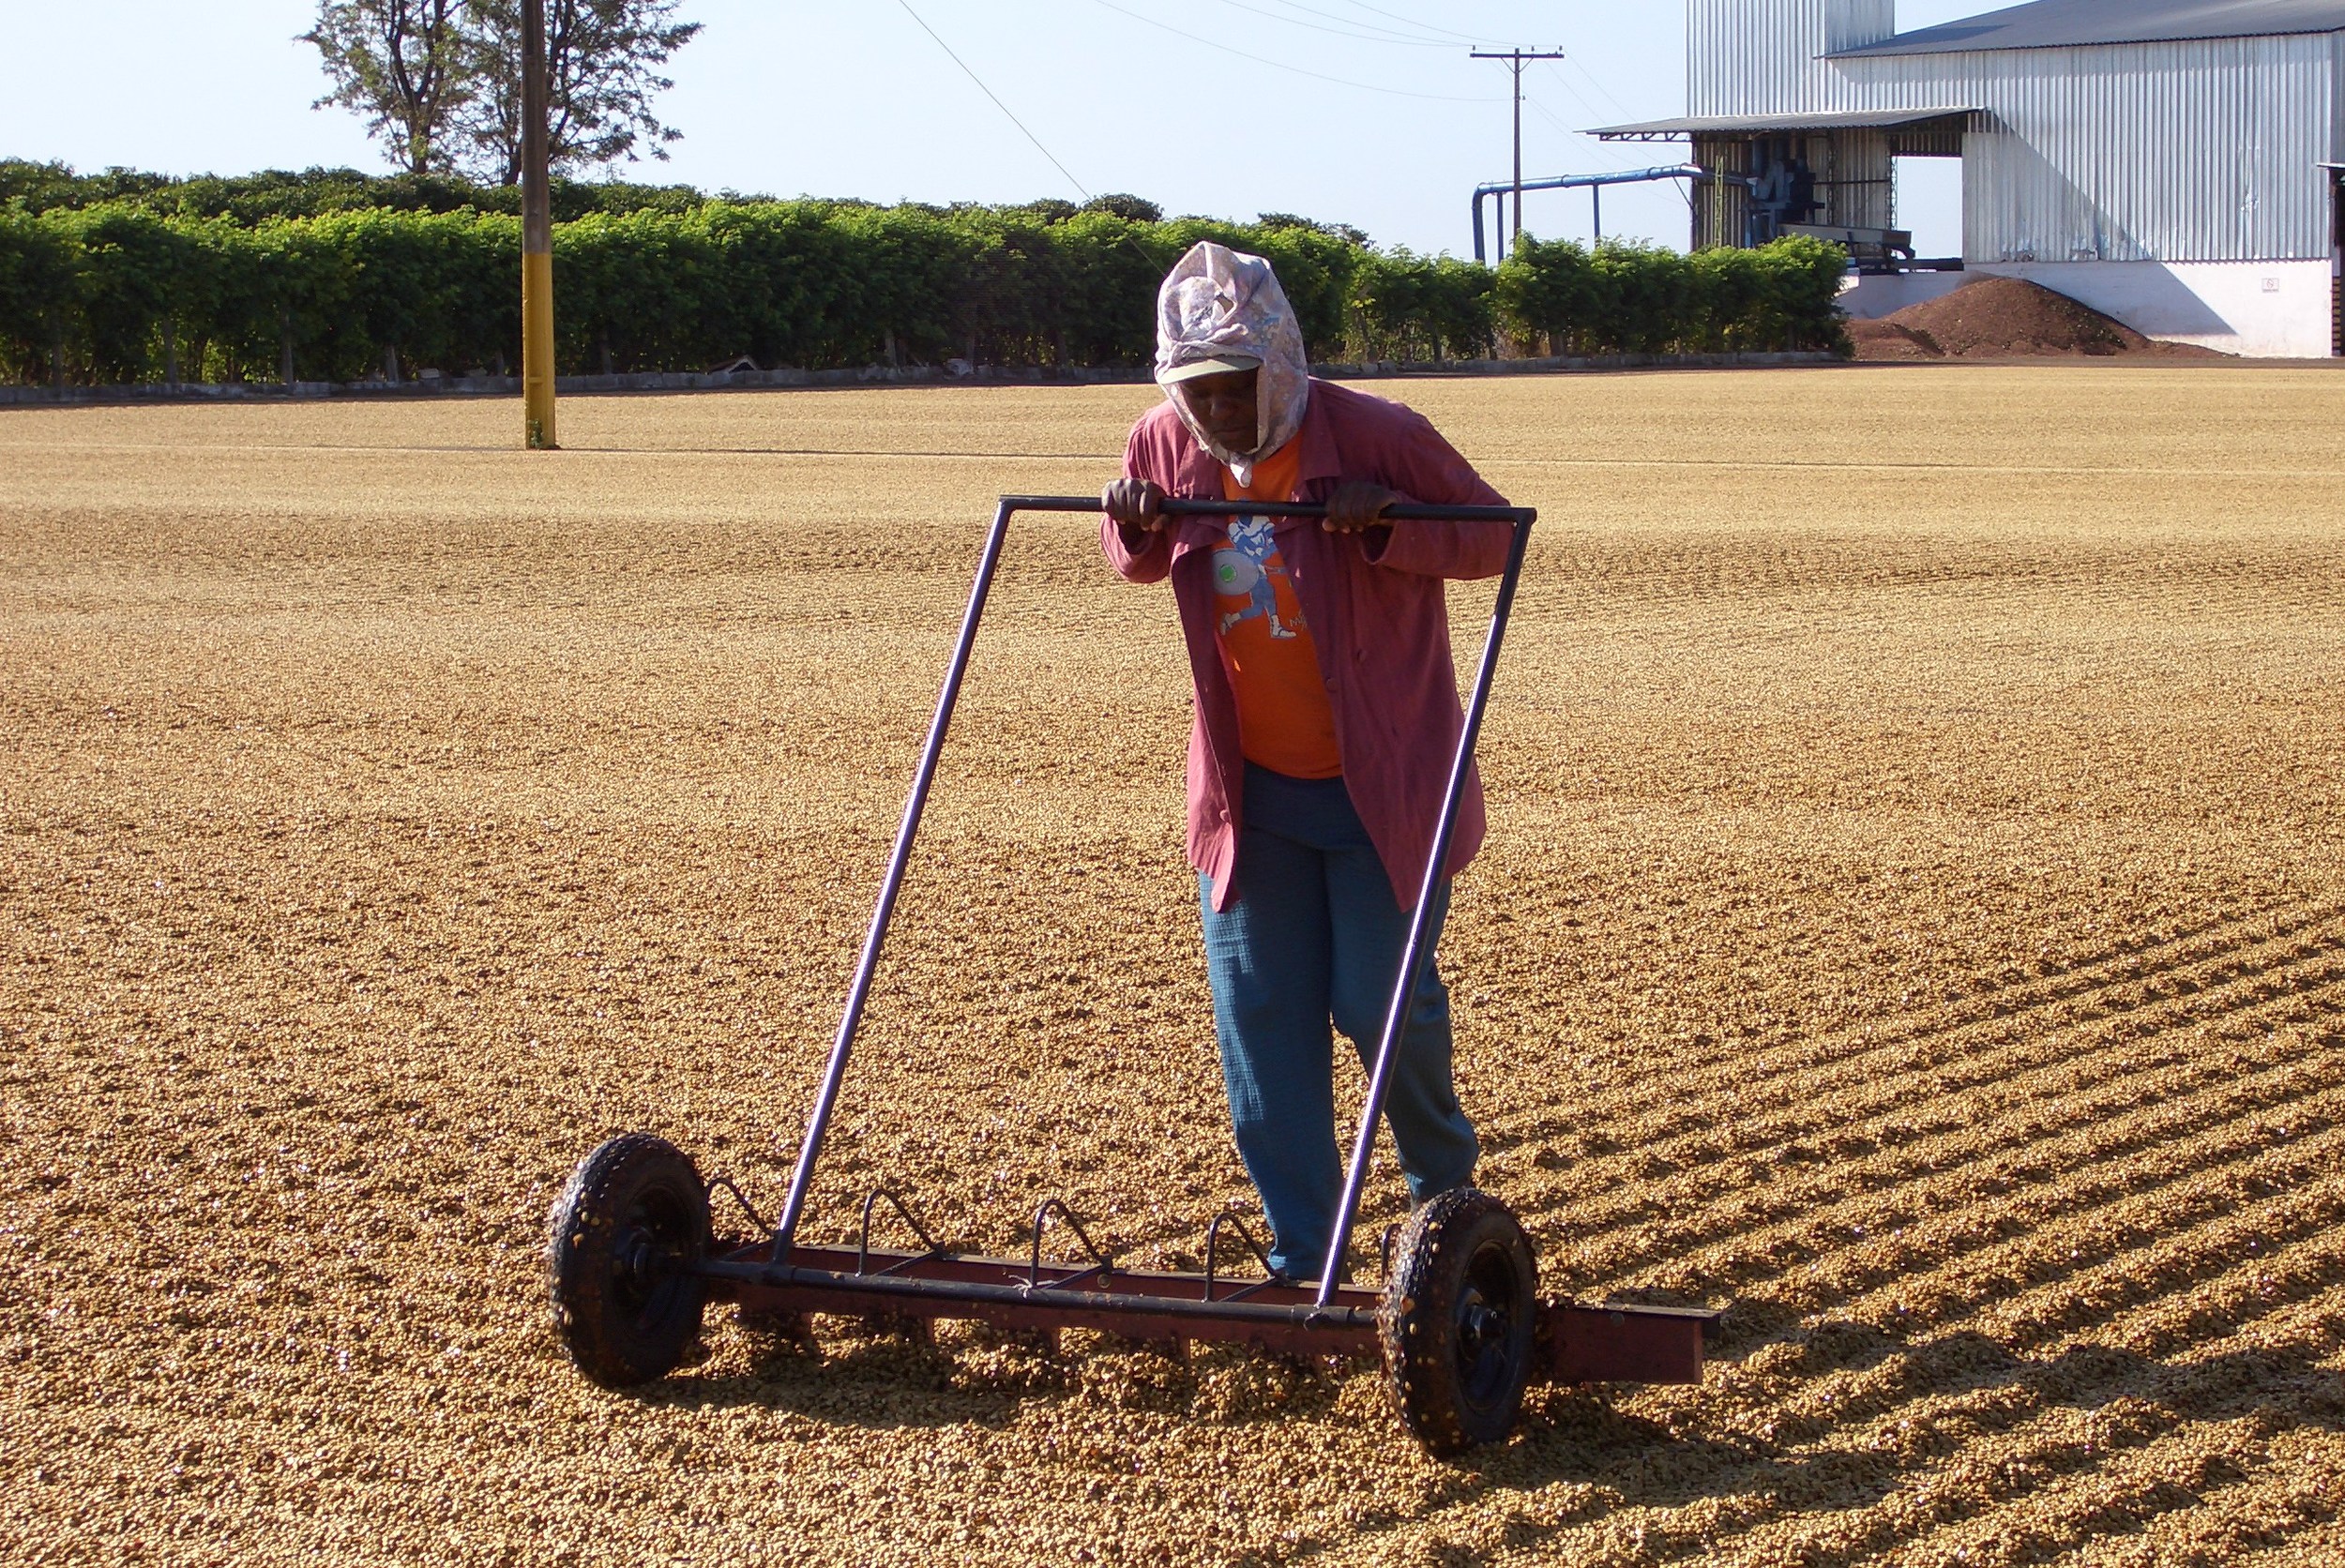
(1220, 365)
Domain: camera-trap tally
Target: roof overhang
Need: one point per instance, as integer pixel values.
(2075, 23)
(1783, 125)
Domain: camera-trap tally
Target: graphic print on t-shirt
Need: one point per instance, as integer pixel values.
(1285, 722)
(1245, 567)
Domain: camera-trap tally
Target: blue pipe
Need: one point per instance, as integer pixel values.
(1575, 182)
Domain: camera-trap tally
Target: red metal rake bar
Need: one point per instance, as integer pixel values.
(1575, 1343)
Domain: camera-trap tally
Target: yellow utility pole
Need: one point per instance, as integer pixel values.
(537, 239)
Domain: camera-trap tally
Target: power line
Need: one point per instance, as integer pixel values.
(1376, 35)
(1587, 76)
(1576, 96)
(1574, 132)
(1608, 158)
(1126, 237)
(1280, 64)
(997, 102)
(1396, 16)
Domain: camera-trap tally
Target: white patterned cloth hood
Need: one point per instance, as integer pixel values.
(1217, 301)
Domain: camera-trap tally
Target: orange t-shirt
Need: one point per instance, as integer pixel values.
(1284, 722)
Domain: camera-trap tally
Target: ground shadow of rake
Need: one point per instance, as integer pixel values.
(1630, 1462)
(2268, 982)
(2012, 1004)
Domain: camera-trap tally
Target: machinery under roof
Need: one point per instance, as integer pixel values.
(1781, 125)
(2060, 23)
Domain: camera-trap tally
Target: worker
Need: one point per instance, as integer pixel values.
(1770, 194)
(1800, 205)
(1327, 715)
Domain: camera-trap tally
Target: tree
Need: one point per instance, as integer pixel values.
(1132, 209)
(600, 60)
(1343, 231)
(403, 65)
(40, 293)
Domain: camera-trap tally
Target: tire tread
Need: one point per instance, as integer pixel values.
(607, 1352)
(1413, 1322)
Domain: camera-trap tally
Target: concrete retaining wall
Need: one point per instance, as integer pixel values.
(2256, 310)
(871, 375)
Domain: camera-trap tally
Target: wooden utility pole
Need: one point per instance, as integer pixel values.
(1517, 58)
(537, 239)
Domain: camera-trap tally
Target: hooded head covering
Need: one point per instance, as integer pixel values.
(1222, 304)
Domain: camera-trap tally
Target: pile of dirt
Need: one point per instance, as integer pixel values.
(2006, 318)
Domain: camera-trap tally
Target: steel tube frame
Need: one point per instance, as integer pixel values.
(835, 1070)
(924, 775)
(1413, 956)
(1574, 1342)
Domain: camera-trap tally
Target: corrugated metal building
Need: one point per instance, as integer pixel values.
(2172, 162)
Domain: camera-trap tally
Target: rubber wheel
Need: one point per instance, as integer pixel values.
(624, 1235)
(1457, 1321)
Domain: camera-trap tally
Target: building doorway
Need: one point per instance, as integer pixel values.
(1928, 193)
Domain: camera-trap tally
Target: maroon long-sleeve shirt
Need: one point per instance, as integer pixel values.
(1375, 607)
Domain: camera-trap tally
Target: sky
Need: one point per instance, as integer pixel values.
(1348, 111)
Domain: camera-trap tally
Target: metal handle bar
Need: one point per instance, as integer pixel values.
(1185, 507)
(1413, 955)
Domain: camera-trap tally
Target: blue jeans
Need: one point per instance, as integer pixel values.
(1315, 934)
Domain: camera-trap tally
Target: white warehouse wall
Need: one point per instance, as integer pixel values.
(1752, 56)
(2205, 151)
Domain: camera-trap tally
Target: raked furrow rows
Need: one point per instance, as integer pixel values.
(1914, 919)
